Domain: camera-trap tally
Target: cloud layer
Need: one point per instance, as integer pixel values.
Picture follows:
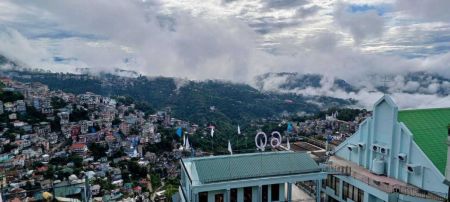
(230, 39)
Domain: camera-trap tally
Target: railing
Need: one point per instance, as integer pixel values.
(335, 169)
(388, 188)
(406, 190)
(8, 196)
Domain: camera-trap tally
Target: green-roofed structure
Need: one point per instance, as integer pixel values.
(429, 128)
(265, 176)
(396, 155)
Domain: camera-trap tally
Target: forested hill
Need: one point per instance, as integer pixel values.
(199, 102)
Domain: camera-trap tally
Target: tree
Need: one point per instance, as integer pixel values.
(10, 96)
(98, 150)
(77, 160)
(58, 102)
(78, 115)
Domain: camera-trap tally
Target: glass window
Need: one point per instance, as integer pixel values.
(248, 194)
(345, 190)
(233, 195)
(218, 198)
(203, 197)
(275, 189)
(265, 193)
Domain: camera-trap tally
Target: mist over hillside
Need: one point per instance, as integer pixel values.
(412, 90)
(198, 101)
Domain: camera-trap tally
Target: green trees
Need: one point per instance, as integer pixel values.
(78, 115)
(58, 103)
(98, 150)
(10, 96)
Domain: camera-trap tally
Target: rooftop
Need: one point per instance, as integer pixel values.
(246, 166)
(384, 183)
(429, 128)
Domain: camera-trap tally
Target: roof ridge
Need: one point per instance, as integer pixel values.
(425, 109)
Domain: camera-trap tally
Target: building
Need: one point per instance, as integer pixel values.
(394, 156)
(1, 107)
(267, 176)
(79, 148)
(20, 106)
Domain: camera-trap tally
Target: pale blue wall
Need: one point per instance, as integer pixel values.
(383, 129)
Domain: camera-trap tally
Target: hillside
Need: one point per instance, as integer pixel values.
(201, 102)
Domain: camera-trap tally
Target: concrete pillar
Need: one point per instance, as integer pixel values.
(289, 192)
(227, 195)
(259, 193)
(240, 194)
(255, 194)
(282, 193)
(195, 197)
(318, 190)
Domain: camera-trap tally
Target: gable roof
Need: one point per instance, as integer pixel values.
(255, 165)
(429, 128)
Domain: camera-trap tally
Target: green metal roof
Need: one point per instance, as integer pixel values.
(429, 128)
(256, 165)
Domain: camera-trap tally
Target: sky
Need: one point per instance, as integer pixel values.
(230, 39)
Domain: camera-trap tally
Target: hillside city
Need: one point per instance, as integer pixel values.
(110, 148)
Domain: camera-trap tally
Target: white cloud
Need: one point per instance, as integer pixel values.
(232, 39)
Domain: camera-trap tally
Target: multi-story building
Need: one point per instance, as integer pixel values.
(267, 176)
(394, 156)
(42, 128)
(1, 107)
(20, 106)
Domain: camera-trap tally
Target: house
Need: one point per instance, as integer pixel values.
(79, 148)
(394, 156)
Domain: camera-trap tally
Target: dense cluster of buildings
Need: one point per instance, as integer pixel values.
(44, 132)
(95, 148)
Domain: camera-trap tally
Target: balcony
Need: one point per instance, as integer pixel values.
(338, 166)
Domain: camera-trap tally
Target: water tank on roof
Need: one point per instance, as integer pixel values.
(378, 166)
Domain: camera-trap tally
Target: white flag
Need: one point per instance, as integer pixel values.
(188, 146)
(212, 131)
(239, 130)
(229, 148)
(261, 143)
(288, 144)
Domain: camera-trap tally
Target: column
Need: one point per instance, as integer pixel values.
(227, 195)
(289, 192)
(240, 194)
(195, 197)
(259, 193)
(282, 192)
(318, 190)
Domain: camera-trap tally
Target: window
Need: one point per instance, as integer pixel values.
(248, 194)
(275, 189)
(265, 193)
(233, 195)
(353, 193)
(333, 183)
(203, 197)
(218, 198)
